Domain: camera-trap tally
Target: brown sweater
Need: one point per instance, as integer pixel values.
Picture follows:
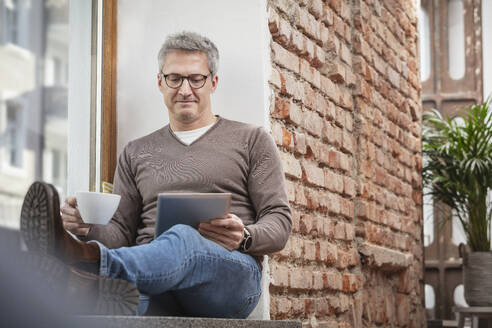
(230, 157)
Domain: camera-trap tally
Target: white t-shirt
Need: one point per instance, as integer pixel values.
(187, 137)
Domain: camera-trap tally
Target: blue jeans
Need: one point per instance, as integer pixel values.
(204, 277)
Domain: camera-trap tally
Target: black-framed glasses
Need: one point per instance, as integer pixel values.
(196, 81)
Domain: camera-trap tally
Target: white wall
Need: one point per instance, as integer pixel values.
(239, 29)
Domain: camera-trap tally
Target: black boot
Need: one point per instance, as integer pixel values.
(59, 254)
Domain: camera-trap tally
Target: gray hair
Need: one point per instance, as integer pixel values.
(190, 41)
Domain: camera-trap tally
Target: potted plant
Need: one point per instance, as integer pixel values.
(457, 169)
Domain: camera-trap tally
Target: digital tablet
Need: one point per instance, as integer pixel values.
(190, 209)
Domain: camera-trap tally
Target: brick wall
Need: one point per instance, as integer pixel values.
(346, 117)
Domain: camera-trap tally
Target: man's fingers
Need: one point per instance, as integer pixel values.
(72, 201)
(219, 238)
(228, 223)
(70, 211)
(234, 235)
(72, 227)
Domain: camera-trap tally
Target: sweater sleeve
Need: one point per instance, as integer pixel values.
(266, 187)
(122, 229)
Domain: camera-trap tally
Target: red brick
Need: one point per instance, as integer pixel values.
(300, 279)
(333, 181)
(292, 87)
(309, 250)
(403, 308)
(307, 23)
(313, 123)
(306, 224)
(290, 186)
(306, 71)
(345, 162)
(347, 208)
(285, 58)
(348, 186)
(309, 99)
(351, 282)
(319, 57)
(349, 122)
(345, 54)
(308, 52)
(273, 19)
(333, 280)
(318, 283)
(297, 43)
(283, 34)
(350, 78)
(296, 115)
(339, 230)
(362, 88)
(339, 26)
(328, 88)
(275, 78)
(299, 143)
(336, 5)
(316, 8)
(280, 276)
(300, 196)
(291, 165)
(321, 308)
(287, 139)
(334, 158)
(335, 71)
(345, 259)
(332, 134)
(347, 142)
(360, 46)
(277, 132)
(312, 174)
(282, 305)
(281, 108)
(296, 247)
(327, 18)
(320, 104)
(334, 204)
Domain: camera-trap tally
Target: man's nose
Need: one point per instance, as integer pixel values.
(185, 88)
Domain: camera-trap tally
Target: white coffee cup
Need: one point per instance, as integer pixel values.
(96, 207)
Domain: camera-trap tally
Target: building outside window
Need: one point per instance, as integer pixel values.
(34, 43)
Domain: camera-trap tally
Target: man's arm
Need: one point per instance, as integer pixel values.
(122, 229)
(266, 187)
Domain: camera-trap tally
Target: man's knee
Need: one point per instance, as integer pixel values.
(183, 231)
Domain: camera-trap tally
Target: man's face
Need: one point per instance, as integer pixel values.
(186, 105)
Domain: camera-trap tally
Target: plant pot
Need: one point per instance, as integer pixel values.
(477, 277)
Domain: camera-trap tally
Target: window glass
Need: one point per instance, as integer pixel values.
(456, 39)
(33, 99)
(424, 42)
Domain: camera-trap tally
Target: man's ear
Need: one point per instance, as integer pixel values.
(215, 81)
(159, 80)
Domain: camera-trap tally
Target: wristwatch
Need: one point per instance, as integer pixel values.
(246, 242)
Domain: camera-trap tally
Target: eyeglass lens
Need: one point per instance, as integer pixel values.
(195, 80)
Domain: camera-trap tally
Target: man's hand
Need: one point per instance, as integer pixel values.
(227, 232)
(72, 221)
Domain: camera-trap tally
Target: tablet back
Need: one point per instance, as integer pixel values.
(189, 208)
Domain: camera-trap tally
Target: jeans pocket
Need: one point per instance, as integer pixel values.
(248, 306)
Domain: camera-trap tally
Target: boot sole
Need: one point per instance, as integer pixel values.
(84, 293)
(37, 218)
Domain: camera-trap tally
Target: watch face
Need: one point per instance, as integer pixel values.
(248, 243)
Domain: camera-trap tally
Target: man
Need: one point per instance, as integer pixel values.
(210, 272)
